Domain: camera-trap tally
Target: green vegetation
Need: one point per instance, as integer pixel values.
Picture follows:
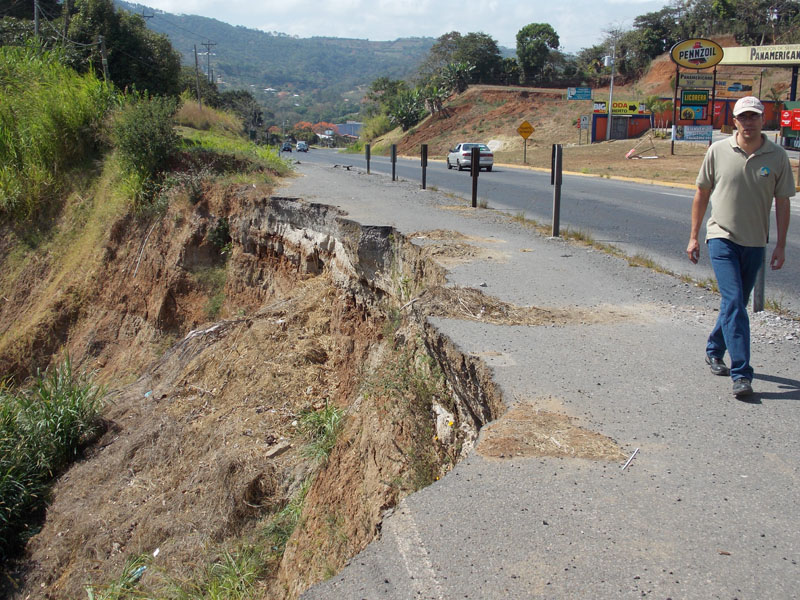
(144, 137)
(283, 524)
(125, 585)
(42, 430)
(233, 576)
(321, 428)
(50, 120)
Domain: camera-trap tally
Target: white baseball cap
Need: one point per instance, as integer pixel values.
(748, 104)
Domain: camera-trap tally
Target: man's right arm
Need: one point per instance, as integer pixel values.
(699, 206)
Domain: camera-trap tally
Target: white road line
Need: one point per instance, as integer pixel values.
(422, 577)
(677, 195)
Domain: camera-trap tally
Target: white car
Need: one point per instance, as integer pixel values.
(461, 156)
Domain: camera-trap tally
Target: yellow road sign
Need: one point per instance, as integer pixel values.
(525, 130)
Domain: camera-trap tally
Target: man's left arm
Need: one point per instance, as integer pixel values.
(782, 221)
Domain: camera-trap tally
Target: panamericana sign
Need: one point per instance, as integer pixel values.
(765, 56)
(697, 53)
(695, 80)
(694, 97)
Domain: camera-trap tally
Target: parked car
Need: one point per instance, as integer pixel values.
(287, 147)
(460, 156)
(302, 147)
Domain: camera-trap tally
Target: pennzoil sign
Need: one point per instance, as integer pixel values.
(696, 53)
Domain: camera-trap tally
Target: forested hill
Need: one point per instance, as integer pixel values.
(243, 58)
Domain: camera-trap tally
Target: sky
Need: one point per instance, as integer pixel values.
(579, 23)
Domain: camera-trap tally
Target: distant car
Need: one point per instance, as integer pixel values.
(739, 87)
(460, 156)
(287, 147)
(302, 147)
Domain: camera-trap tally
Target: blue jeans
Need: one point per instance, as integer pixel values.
(736, 268)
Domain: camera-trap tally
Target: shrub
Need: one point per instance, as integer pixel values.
(42, 430)
(144, 137)
(376, 126)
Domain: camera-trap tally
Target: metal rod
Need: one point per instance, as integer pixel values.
(630, 459)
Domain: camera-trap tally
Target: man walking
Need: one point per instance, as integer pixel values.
(740, 176)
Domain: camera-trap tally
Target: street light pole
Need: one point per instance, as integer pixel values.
(611, 90)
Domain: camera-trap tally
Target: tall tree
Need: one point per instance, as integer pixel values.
(23, 9)
(476, 49)
(137, 57)
(534, 42)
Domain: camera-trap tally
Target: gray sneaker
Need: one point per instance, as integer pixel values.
(742, 388)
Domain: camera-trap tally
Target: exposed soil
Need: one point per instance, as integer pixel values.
(526, 430)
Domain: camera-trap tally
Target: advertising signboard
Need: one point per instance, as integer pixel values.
(697, 53)
(622, 108)
(786, 118)
(692, 133)
(693, 112)
(695, 80)
(766, 56)
(579, 93)
(735, 88)
(796, 119)
(694, 97)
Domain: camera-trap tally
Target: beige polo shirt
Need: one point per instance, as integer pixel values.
(742, 189)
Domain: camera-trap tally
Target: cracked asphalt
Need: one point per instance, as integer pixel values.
(705, 509)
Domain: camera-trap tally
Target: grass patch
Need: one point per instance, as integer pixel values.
(321, 428)
(224, 154)
(42, 430)
(124, 586)
(51, 120)
(283, 524)
(204, 118)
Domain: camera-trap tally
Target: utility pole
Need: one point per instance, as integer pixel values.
(611, 89)
(104, 57)
(208, 46)
(65, 10)
(36, 18)
(197, 77)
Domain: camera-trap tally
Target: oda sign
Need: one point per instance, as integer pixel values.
(696, 53)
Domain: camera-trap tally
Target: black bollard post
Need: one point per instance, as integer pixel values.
(394, 160)
(424, 163)
(555, 180)
(475, 169)
(366, 151)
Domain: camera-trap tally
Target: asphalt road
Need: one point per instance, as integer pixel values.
(640, 218)
(705, 509)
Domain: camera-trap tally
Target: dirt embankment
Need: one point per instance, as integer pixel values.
(219, 326)
(297, 312)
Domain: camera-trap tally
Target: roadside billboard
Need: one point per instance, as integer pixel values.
(692, 133)
(696, 53)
